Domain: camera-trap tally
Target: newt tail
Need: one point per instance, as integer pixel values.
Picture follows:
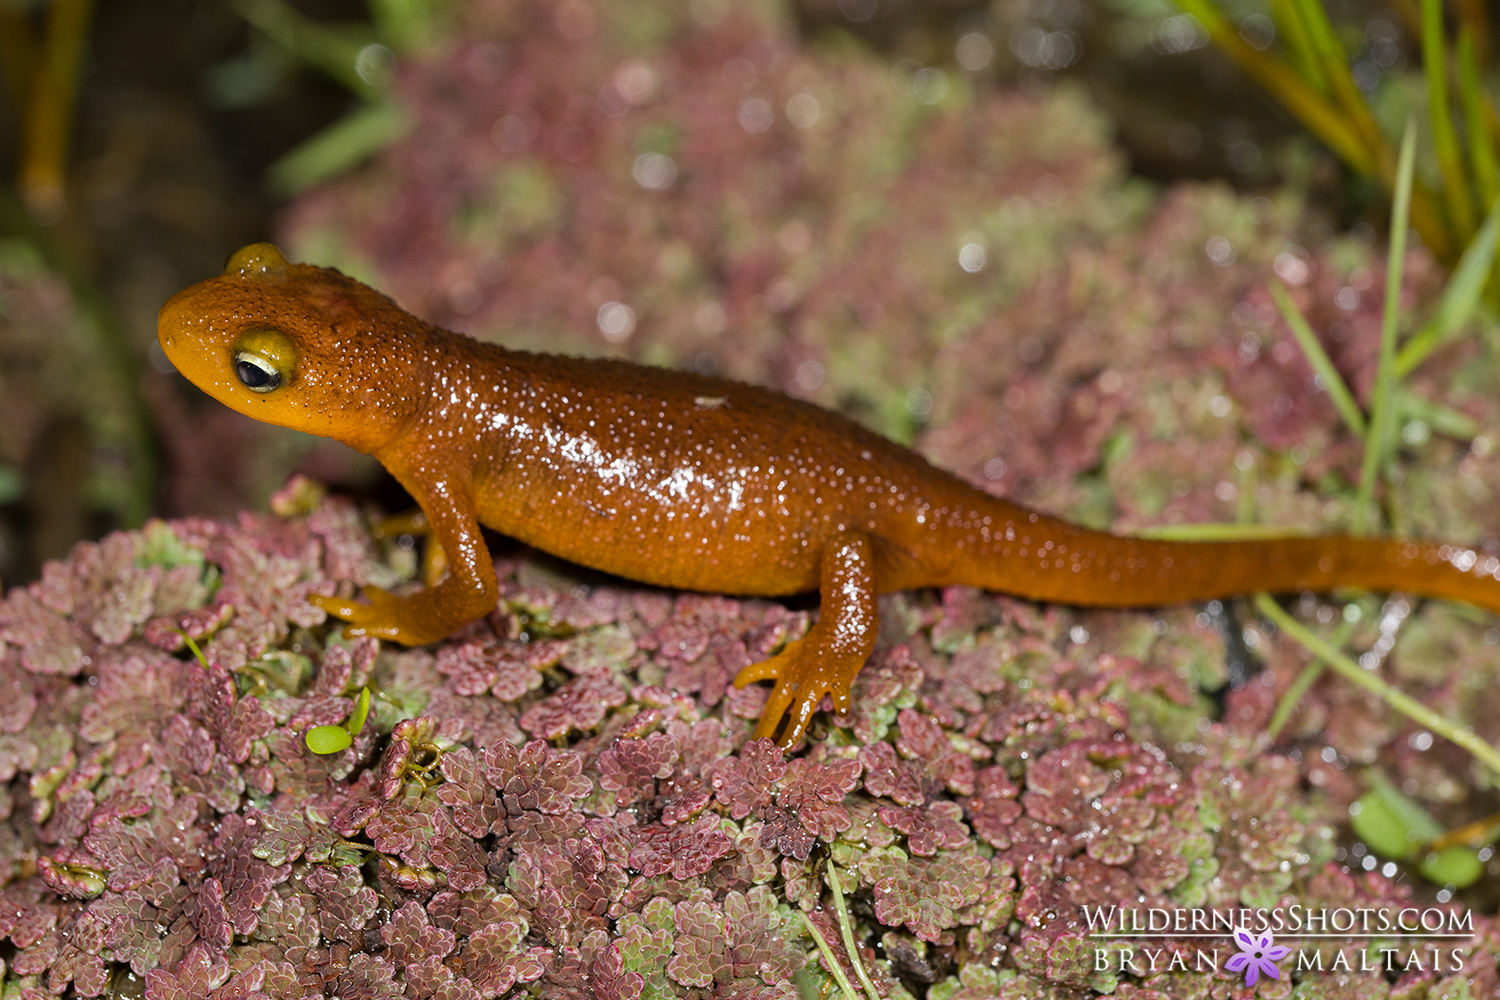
(687, 481)
(1059, 562)
(965, 536)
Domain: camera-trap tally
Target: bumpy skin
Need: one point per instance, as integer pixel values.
(691, 482)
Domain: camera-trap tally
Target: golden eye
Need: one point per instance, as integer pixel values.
(256, 373)
(264, 360)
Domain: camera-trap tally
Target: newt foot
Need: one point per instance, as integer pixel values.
(804, 671)
(385, 616)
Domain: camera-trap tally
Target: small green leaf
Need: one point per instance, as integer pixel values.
(1391, 823)
(1416, 819)
(1381, 827)
(1457, 866)
(361, 713)
(328, 739)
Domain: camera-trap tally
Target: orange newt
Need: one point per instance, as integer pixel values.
(688, 481)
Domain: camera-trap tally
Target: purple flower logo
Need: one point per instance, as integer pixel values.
(1257, 955)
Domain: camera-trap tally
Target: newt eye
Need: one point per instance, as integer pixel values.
(256, 373)
(264, 359)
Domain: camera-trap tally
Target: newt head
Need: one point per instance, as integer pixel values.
(301, 346)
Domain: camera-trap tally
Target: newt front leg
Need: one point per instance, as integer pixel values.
(469, 591)
(827, 658)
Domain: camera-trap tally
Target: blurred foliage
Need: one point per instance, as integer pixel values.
(1308, 64)
(361, 56)
(69, 391)
(41, 73)
(74, 419)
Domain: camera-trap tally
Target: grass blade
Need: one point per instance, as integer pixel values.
(1382, 409)
(1338, 392)
(51, 110)
(851, 949)
(1445, 420)
(1475, 22)
(1309, 107)
(1459, 298)
(1335, 65)
(1218, 532)
(834, 968)
(1305, 680)
(1361, 146)
(332, 48)
(1425, 213)
(1450, 159)
(1392, 696)
(1304, 57)
(347, 142)
(1471, 93)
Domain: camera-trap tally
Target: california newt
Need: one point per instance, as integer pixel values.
(688, 481)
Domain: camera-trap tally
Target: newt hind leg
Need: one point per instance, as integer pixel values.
(827, 658)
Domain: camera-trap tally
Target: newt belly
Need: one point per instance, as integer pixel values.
(688, 481)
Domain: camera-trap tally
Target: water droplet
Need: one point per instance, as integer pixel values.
(972, 257)
(1220, 251)
(802, 110)
(616, 322)
(974, 51)
(755, 115)
(654, 171)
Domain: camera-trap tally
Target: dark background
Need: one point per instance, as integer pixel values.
(164, 184)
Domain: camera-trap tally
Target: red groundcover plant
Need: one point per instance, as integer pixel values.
(563, 800)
